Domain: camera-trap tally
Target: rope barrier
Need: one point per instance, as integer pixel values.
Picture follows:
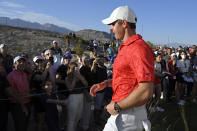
(44, 93)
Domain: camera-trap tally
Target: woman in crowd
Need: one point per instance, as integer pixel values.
(183, 66)
(75, 83)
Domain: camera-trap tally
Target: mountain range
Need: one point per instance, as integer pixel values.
(87, 34)
(33, 25)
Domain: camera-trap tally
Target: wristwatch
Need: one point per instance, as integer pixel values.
(116, 107)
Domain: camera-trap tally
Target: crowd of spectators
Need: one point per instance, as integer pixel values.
(54, 87)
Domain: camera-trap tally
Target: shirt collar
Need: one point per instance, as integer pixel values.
(131, 40)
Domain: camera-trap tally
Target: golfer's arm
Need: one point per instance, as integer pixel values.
(139, 96)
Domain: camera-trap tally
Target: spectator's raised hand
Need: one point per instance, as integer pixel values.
(95, 88)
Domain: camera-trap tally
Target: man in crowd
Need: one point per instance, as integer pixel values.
(85, 71)
(19, 90)
(55, 48)
(7, 59)
(57, 52)
(133, 74)
(100, 72)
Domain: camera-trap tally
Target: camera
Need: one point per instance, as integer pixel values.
(51, 60)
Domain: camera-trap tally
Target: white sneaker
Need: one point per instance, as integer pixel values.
(160, 109)
(147, 125)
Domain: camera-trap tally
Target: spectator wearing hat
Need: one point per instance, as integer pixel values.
(7, 58)
(62, 73)
(55, 48)
(50, 67)
(36, 87)
(133, 75)
(19, 91)
(57, 52)
(95, 44)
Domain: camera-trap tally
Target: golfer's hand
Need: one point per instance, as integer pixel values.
(110, 108)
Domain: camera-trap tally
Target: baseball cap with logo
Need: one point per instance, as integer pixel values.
(18, 58)
(37, 58)
(121, 13)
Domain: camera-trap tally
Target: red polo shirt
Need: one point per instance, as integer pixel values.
(133, 64)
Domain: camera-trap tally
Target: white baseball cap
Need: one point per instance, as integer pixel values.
(121, 13)
(18, 58)
(2, 45)
(173, 54)
(46, 52)
(37, 58)
(54, 41)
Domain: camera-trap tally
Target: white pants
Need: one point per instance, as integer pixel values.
(128, 120)
(75, 108)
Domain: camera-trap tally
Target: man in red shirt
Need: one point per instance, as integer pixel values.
(133, 74)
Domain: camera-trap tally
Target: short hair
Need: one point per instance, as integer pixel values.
(131, 25)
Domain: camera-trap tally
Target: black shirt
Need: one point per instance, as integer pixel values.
(36, 85)
(78, 89)
(62, 72)
(8, 63)
(3, 85)
(101, 75)
(85, 71)
(56, 50)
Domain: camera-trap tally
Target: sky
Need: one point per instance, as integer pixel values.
(159, 21)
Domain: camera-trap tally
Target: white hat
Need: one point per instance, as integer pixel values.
(37, 58)
(173, 54)
(18, 58)
(54, 41)
(2, 45)
(121, 13)
(46, 52)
